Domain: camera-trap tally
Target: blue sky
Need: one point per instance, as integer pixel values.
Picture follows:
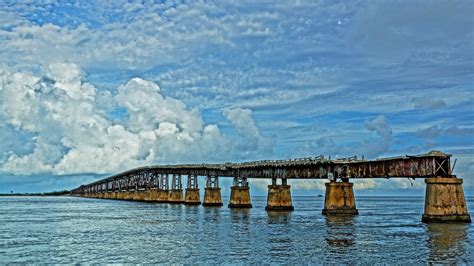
(91, 88)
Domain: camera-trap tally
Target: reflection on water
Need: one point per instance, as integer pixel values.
(447, 242)
(279, 240)
(340, 230)
(279, 217)
(212, 214)
(239, 215)
(191, 209)
(336, 221)
(67, 230)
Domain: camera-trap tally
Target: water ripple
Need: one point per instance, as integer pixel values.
(76, 230)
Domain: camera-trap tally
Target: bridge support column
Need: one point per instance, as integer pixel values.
(176, 192)
(162, 196)
(240, 194)
(163, 189)
(212, 192)
(192, 196)
(151, 195)
(114, 195)
(121, 194)
(152, 184)
(147, 194)
(444, 201)
(118, 195)
(339, 199)
(279, 196)
(139, 195)
(127, 195)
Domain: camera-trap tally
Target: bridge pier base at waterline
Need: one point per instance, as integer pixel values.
(192, 196)
(339, 199)
(445, 201)
(279, 196)
(127, 195)
(212, 192)
(150, 195)
(139, 195)
(176, 192)
(240, 194)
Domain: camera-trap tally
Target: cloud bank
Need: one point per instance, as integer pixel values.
(73, 134)
(231, 81)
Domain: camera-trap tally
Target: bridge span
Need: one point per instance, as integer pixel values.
(444, 199)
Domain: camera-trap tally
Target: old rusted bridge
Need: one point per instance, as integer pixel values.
(444, 201)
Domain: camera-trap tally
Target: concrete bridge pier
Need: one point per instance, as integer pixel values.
(176, 192)
(131, 194)
(212, 192)
(151, 184)
(240, 194)
(138, 194)
(151, 194)
(110, 191)
(445, 201)
(113, 194)
(162, 193)
(121, 194)
(125, 195)
(339, 198)
(279, 196)
(192, 196)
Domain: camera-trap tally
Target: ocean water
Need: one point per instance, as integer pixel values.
(80, 230)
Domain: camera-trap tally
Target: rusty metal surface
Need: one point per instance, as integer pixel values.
(431, 164)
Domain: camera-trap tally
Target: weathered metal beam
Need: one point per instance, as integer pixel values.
(433, 164)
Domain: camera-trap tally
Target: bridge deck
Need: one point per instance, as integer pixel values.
(431, 164)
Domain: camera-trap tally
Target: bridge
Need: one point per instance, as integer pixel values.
(444, 199)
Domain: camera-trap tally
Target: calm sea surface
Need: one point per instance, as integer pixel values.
(79, 230)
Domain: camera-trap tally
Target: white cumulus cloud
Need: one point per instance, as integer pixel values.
(243, 122)
(74, 135)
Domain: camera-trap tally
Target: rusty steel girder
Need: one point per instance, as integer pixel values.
(431, 164)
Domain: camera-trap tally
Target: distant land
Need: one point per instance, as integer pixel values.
(53, 193)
